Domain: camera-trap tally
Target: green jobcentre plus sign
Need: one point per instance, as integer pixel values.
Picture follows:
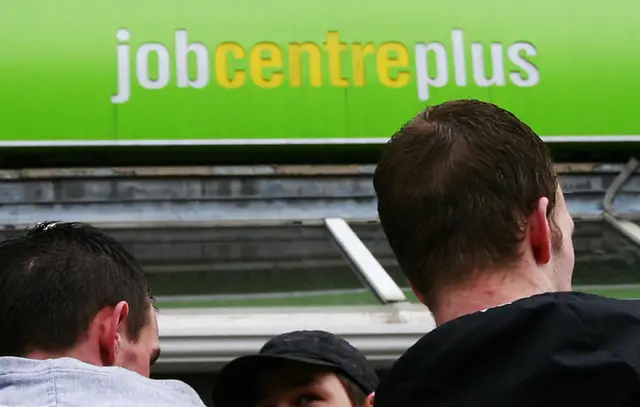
(285, 71)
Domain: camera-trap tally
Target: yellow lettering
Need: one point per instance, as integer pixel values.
(237, 78)
(358, 52)
(295, 63)
(393, 55)
(260, 62)
(334, 48)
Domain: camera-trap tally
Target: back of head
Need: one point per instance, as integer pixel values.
(55, 278)
(455, 187)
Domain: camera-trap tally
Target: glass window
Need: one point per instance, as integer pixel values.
(373, 237)
(245, 266)
(607, 263)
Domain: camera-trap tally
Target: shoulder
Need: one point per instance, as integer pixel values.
(120, 382)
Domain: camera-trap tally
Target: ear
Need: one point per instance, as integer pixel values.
(112, 327)
(540, 232)
(369, 401)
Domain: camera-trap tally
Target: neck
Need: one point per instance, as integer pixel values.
(488, 290)
(81, 353)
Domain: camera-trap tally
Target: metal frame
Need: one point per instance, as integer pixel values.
(204, 340)
(364, 262)
(281, 142)
(627, 228)
(128, 196)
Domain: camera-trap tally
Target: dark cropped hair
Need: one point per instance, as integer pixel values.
(55, 278)
(455, 186)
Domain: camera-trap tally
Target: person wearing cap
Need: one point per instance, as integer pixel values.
(295, 369)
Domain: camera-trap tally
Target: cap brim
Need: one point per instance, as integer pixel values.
(235, 384)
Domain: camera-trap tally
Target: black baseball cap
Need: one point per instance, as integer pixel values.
(236, 382)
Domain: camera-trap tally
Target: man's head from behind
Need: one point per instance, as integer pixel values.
(297, 369)
(68, 290)
(466, 193)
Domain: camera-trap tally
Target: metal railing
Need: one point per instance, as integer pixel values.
(364, 262)
(630, 229)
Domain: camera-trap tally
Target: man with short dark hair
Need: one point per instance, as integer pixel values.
(470, 203)
(298, 369)
(78, 323)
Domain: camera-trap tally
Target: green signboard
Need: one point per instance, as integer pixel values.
(289, 71)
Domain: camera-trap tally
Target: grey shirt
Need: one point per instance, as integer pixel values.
(67, 382)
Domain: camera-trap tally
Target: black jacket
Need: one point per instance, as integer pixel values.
(561, 349)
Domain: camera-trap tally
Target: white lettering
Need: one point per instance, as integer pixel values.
(532, 73)
(425, 81)
(459, 58)
(142, 66)
(124, 68)
(497, 63)
(183, 48)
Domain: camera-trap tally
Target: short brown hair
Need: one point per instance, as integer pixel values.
(455, 187)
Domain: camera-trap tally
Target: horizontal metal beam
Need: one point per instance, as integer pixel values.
(565, 139)
(247, 297)
(191, 171)
(241, 171)
(205, 340)
(236, 194)
(364, 262)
